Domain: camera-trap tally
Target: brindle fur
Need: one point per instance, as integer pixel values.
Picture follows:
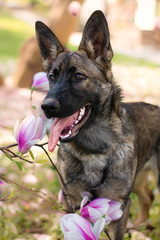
(118, 138)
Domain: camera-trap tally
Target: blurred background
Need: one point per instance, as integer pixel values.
(135, 38)
(134, 27)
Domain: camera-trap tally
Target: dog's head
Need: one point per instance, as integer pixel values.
(78, 80)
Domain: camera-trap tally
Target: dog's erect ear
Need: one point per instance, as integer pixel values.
(48, 43)
(96, 40)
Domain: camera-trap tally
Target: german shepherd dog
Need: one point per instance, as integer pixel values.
(104, 142)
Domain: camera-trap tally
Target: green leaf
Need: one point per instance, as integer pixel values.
(133, 196)
(12, 194)
(3, 238)
(55, 208)
(32, 89)
(31, 154)
(8, 156)
(41, 161)
(19, 165)
(34, 107)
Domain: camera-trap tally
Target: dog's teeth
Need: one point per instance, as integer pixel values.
(82, 111)
(81, 114)
(80, 117)
(67, 135)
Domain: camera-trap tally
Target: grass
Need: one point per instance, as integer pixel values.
(128, 61)
(121, 59)
(29, 217)
(13, 32)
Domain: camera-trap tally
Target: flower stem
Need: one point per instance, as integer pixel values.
(107, 233)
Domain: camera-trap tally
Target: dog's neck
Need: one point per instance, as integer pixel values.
(106, 126)
(98, 137)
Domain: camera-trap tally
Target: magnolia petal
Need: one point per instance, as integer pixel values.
(108, 220)
(98, 227)
(117, 214)
(72, 236)
(83, 202)
(44, 86)
(85, 227)
(115, 204)
(84, 212)
(99, 203)
(69, 224)
(40, 82)
(88, 194)
(75, 223)
(94, 214)
(64, 223)
(37, 76)
(27, 121)
(39, 127)
(26, 135)
(28, 145)
(31, 131)
(27, 128)
(19, 131)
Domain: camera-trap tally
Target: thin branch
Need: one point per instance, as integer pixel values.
(14, 155)
(52, 163)
(107, 233)
(60, 176)
(9, 146)
(23, 187)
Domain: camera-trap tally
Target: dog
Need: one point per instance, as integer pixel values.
(104, 141)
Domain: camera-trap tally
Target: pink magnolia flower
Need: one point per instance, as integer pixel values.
(76, 227)
(40, 82)
(30, 132)
(101, 207)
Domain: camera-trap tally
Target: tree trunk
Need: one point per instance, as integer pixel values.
(62, 23)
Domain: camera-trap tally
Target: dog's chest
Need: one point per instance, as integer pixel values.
(75, 166)
(93, 169)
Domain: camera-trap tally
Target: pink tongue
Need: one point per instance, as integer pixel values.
(57, 127)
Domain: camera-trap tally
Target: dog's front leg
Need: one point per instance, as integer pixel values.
(118, 190)
(118, 228)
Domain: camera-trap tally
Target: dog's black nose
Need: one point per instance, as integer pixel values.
(50, 107)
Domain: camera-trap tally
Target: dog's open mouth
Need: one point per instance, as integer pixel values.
(66, 128)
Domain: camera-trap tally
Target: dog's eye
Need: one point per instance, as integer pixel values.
(51, 77)
(80, 77)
